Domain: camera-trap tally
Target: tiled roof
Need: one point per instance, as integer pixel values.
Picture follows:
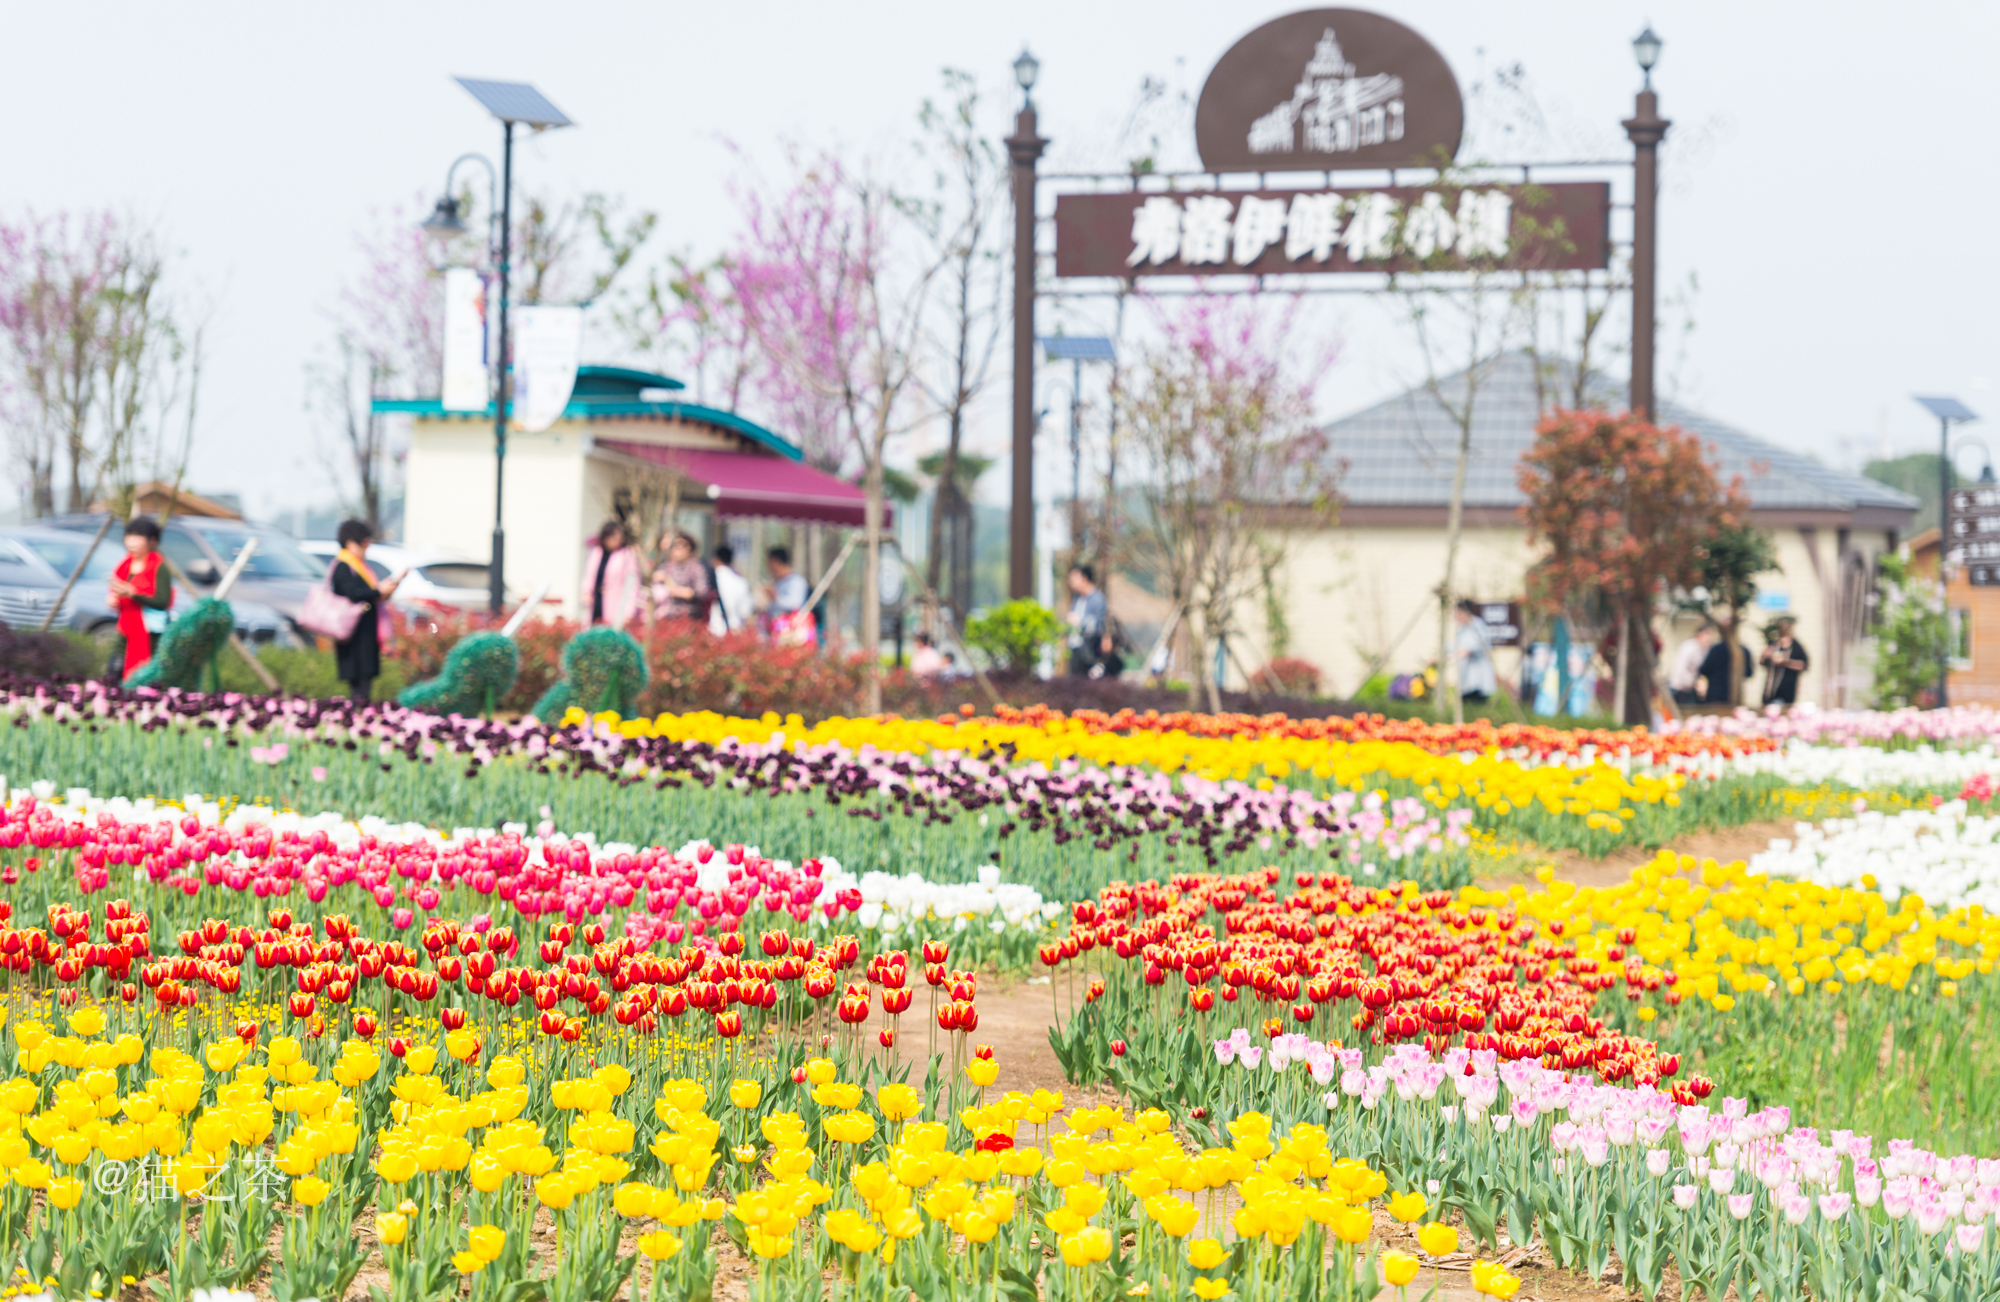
(1402, 452)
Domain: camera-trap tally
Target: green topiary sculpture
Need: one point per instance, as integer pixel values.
(479, 670)
(188, 649)
(603, 669)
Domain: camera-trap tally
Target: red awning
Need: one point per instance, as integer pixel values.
(753, 484)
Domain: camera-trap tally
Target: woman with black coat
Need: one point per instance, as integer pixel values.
(359, 657)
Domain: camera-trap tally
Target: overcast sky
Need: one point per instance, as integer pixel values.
(1829, 175)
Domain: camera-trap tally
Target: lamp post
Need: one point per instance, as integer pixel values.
(514, 103)
(1023, 148)
(1949, 411)
(1645, 129)
(1077, 349)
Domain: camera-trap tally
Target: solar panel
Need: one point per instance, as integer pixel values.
(1947, 408)
(514, 101)
(1080, 348)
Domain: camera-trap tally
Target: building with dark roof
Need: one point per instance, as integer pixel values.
(1365, 593)
(620, 426)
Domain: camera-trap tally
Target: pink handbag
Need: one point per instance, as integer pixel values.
(327, 613)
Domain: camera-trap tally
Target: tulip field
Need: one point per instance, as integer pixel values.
(307, 1000)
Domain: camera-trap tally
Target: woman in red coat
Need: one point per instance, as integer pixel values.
(138, 585)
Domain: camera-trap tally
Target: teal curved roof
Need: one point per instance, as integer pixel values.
(612, 393)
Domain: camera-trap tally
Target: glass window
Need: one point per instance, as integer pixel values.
(181, 548)
(1961, 638)
(276, 557)
(19, 570)
(61, 555)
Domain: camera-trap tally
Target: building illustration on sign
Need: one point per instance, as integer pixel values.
(1340, 111)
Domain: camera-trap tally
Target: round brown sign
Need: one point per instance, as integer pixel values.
(1326, 89)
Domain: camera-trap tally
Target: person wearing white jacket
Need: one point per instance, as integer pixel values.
(733, 608)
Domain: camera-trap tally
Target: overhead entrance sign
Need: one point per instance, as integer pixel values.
(1563, 227)
(1328, 89)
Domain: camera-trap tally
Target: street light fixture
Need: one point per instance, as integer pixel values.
(444, 223)
(1949, 411)
(514, 103)
(1025, 69)
(1646, 49)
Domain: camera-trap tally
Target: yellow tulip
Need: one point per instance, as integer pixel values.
(1210, 1289)
(1408, 1207)
(982, 1071)
(487, 1242)
(87, 1022)
(633, 1201)
(1438, 1239)
(1205, 1254)
(310, 1191)
(899, 1102)
(746, 1094)
(1087, 1245)
(1399, 1268)
(467, 1263)
(820, 1071)
(391, 1227)
(66, 1192)
(659, 1245)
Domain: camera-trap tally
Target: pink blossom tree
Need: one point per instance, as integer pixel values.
(1232, 466)
(816, 310)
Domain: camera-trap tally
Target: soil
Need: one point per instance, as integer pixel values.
(1724, 845)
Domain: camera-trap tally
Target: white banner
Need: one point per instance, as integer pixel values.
(467, 383)
(548, 343)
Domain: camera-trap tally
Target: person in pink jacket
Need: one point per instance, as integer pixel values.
(611, 577)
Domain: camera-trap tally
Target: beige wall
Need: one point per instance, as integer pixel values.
(449, 503)
(1360, 593)
(1357, 592)
(557, 493)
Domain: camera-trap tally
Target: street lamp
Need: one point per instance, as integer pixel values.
(514, 103)
(1023, 148)
(1646, 49)
(1025, 70)
(1645, 129)
(1949, 411)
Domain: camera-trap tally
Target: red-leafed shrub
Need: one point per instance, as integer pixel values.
(1288, 676)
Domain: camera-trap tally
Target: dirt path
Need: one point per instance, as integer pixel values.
(1723, 845)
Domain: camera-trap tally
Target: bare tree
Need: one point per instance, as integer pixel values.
(571, 251)
(343, 391)
(1234, 464)
(94, 357)
(958, 221)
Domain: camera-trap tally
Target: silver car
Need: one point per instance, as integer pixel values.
(434, 579)
(36, 562)
(278, 575)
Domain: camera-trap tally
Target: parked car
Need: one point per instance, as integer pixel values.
(436, 579)
(278, 575)
(36, 562)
